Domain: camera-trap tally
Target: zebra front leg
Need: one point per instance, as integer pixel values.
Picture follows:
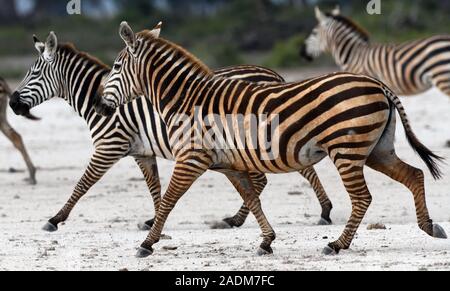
(258, 182)
(353, 177)
(100, 164)
(17, 141)
(310, 174)
(185, 174)
(244, 184)
(149, 168)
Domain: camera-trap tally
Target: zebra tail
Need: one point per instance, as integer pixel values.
(431, 159)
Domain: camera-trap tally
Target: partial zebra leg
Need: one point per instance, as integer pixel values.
(385, 160)
(243, 182)
(353, 177)
(100, 164)
(149, 168)
(185, 174)
(258, 182)
(16, 139)
(310, 174)
(413, 179)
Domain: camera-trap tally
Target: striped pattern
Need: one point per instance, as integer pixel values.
(349, 118)
(135, 130)
(11, 133)
(408, 69)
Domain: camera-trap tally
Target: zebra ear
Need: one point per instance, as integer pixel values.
(336, 11)
(319, 15)
(128, 36)
(50, 46)
(39, 45)
(156, 32)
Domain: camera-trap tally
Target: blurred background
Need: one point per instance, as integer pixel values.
(220, 32)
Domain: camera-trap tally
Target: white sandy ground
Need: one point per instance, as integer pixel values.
(101, 233)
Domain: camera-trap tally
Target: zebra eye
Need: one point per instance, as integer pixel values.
(117, 67)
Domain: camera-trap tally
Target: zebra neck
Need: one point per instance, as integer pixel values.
(82, 89)
(347, 51)
(170, 95)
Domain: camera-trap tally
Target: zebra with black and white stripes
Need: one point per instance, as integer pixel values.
(408, 69)
(135, 130)
(350, 118)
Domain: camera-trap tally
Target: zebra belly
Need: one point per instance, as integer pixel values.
(242, 160)
(141, 146)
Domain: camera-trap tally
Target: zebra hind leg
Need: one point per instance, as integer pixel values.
(310, 174)
(413, 179)
(258, 182)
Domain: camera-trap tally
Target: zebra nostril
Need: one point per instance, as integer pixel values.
(14, 99)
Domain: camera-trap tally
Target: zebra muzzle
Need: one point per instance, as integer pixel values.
(304, 54)
(18, 106)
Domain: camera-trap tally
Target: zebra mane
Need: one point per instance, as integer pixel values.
(352, 25)
(146, 34)
(71, 49)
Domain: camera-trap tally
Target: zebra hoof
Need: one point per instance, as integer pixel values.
(31, 181)
(324, 222)
(266, 251)
(439, 232)
(329, 251)
(144, 253)
(50, 227)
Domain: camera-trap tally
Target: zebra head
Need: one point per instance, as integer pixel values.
(317, 42)
(122, 84)
(41, 82)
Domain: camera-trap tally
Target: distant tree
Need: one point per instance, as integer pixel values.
(137, 7)
(8, 12)
(46, 8)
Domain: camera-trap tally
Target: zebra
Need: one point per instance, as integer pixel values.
(408, 69)
(11, 133)
(135, 130)
(350, 118)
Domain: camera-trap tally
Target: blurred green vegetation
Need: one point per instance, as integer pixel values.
(222, 32)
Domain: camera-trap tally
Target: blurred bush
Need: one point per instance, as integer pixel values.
(220, 32)
(285, 54)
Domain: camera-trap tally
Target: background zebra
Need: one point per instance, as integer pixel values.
(350, 118)
(135, 130)
(409, 68)
(11, 134)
